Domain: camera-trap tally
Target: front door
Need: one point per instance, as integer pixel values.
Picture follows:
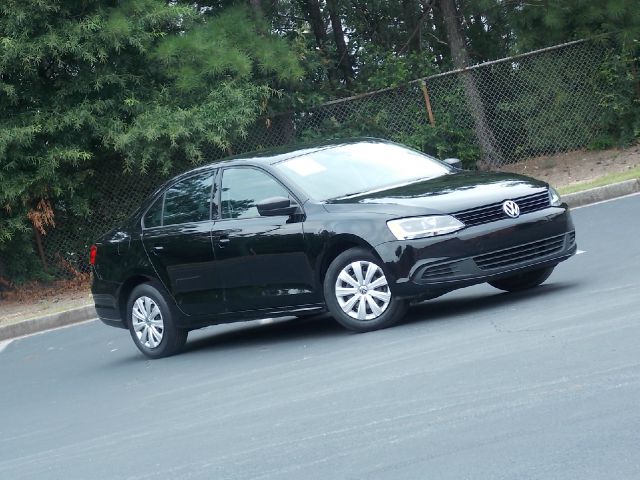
(177, 238)
(263, 260)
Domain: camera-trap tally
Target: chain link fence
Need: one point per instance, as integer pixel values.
(500, 112)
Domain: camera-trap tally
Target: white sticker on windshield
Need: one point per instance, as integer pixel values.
(304, 166)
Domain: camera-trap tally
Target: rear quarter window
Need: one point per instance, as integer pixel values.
(153, 217)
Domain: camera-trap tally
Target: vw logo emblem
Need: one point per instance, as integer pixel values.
(511, 208)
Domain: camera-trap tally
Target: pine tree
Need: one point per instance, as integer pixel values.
(142, 81)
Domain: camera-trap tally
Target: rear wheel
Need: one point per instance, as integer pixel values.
(522, 281)
(151, 323)
(357, 292)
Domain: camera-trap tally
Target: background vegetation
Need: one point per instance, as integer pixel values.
(91, 90)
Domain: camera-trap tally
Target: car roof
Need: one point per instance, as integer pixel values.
(270, 156)
(276, 155)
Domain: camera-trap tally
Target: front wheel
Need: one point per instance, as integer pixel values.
(151, 323)
(522, 281)
(357, 292)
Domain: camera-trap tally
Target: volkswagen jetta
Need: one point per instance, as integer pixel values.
(359, 228)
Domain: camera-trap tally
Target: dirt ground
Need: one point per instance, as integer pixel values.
(35, 300)
(576, 167)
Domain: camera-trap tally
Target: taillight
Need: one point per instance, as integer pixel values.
(93, 253)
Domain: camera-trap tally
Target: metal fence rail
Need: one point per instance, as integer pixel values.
(540, 103)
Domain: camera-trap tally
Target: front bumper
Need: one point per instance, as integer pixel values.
(431, 266)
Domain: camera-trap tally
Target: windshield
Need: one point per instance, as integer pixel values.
(350, 169)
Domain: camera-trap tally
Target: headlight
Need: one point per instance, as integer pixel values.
(554, 197)
(419, 227)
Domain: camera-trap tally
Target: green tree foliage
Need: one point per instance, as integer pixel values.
(616, 24)
(92, 88)
(88, 84)
(571, 20)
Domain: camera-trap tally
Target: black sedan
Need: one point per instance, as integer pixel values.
(359, 228)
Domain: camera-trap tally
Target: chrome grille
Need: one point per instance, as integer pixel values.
(493, 212)
(520, 253)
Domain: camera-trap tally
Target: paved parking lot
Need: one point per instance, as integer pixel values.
(477, 384)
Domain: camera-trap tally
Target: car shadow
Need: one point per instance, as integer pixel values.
(251, 334)
(448, 307)
(258, 333)
(255, 333)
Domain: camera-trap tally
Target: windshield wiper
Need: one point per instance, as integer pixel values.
(381, 189)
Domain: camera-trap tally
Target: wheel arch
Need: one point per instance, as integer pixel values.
(126, 289)
(338, 244)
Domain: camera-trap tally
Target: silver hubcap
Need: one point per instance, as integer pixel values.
(147, 322)
(362, 290)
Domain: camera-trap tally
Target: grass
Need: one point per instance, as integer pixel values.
(601, 181)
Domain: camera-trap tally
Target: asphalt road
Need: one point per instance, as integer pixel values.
(477, 384)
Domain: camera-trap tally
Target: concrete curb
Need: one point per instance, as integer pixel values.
(88, 312)
(600, 194)
(48, 322)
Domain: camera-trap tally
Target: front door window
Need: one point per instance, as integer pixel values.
(242, 188)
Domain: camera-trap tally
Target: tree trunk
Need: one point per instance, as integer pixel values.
(338, 35)
(490, 151)
(4, 282)
(256, 7)
(314, 16)
(437, 44)
(413, 20)
(319, 29)
(636, 78)
(38, 239)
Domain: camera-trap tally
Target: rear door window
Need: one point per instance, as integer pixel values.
(188, 200)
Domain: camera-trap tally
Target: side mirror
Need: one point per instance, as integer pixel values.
(275, 206)
(454, 162)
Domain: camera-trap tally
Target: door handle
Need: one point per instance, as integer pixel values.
(222, 240)
(157, 249)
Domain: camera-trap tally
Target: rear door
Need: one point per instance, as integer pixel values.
(263, 260)
(177, 238)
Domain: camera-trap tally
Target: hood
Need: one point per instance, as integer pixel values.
(446, 194)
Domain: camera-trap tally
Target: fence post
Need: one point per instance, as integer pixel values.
(427, 101)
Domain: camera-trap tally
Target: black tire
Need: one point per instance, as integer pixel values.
(145, 332)
(522, 281)
(393, 310)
